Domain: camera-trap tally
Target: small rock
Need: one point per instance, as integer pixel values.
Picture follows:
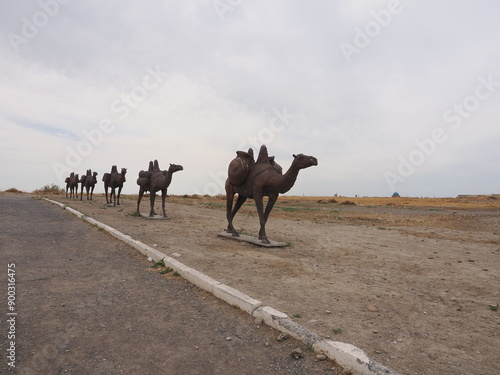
(258, 321)
(297, 353)
(177, 255)
(321, 357)
(282, 337)
(371, 308)
(228, 338)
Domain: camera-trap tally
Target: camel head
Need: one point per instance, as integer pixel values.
(174, 168)
(124, 171)
(302, 161)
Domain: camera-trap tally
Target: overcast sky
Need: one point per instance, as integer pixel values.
(388, 95)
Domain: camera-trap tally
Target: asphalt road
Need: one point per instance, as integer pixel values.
(82, 302)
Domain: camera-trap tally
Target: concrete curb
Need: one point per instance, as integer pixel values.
(346, 355)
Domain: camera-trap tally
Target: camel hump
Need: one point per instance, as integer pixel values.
(156, 166)
(239, 167)
(114, 169)
(145, 174)
(263, 155)
(275, 165)
(150, 169)
(106, 177)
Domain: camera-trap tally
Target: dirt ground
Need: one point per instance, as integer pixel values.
(413, 282)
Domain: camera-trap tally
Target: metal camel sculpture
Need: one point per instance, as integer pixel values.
(89, 183)
(114, 180)
(72, 185)
(154, 180)
(258, 179)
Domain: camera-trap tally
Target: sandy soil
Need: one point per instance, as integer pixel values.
(414, 283)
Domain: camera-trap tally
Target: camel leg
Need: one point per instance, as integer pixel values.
(152, 196)
(232, 212)
(260, 210)
(229, 207)
(141, 193)
(119, 192)
(270, 205)
(112, 196)
(106, 191)
(163, 198)
(91, 192)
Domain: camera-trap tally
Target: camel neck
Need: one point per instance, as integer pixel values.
(289, 178)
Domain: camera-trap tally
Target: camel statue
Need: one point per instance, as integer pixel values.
(67, 181)
(154, 180)
(72, 185)
(114, 180)
(106, 178)
(82, 182)
(263, 178)
(89, 183)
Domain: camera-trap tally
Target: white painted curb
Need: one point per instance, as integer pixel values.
(346, 355)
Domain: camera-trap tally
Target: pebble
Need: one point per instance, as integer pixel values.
(321, 357)
(371, 308)
(228, 338)
(282, 337)
(297, 353)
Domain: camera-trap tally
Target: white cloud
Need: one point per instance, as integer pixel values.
(223, 81)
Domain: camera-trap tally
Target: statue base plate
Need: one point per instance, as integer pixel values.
(252, 240)
(156, 217)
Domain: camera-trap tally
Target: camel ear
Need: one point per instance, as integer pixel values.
(294, 156)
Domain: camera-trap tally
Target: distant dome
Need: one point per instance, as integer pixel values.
(396, 194)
